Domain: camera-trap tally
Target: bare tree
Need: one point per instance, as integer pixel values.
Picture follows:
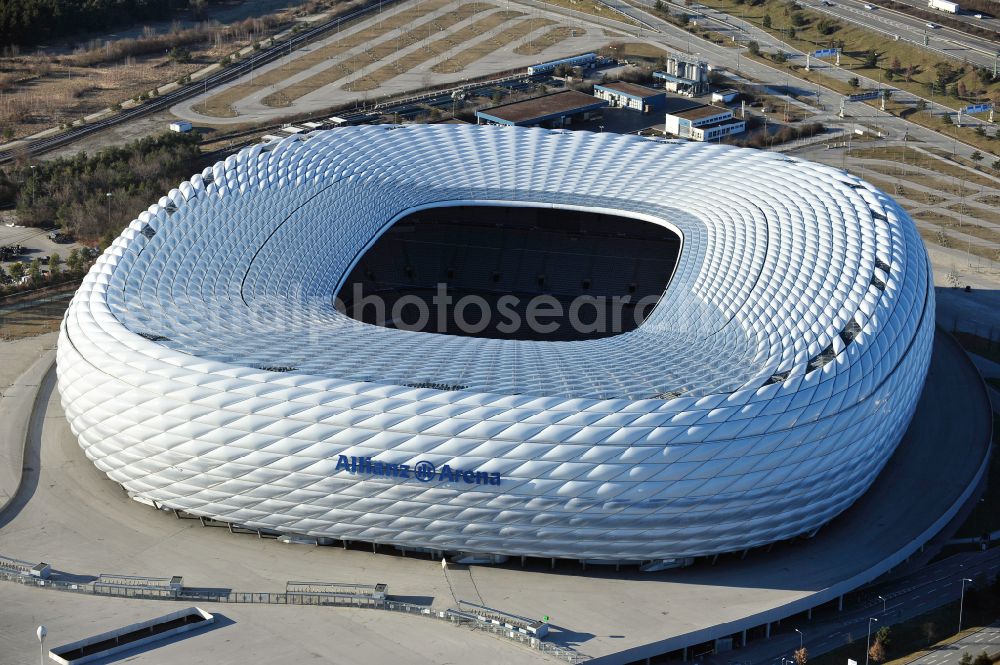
(930, 631)
(801, 656)
(877, 651)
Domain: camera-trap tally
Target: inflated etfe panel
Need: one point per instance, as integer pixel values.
(202, 363)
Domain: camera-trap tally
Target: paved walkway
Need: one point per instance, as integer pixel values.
(23, 363)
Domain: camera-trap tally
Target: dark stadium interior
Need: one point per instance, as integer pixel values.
(621, 265)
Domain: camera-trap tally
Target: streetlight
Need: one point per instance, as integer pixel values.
(41, 633)
(34, 185)
(883, 604)
(961, 603)
(868, 644)
(108, 196)
(801, 635)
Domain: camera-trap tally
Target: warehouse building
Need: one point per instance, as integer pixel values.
(553, 111)
(703, 123)
(631, 96)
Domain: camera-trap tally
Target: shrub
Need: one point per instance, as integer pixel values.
(180, 54)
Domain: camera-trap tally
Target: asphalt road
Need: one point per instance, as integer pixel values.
(908, 596)
(825, 100)
(988, 22)
(942, 40)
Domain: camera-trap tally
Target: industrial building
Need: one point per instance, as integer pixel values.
(703, 123)
(204, 366)
(553, 111)
(631, 96)
(685, 75)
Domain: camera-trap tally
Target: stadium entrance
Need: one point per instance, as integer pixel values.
(512, 273)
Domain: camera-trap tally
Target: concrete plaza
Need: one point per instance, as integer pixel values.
(68, 514)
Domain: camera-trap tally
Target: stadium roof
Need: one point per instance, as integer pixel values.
(775, 264)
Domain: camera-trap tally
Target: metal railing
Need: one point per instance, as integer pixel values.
(297, 598)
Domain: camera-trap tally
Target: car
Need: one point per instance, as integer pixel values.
(869, 8)
(827, 3)
(932, 26)
(979, 16)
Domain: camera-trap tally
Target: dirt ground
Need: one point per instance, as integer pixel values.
(35, 318)
(44, 89)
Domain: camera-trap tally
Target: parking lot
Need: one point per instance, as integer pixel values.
(26, 244)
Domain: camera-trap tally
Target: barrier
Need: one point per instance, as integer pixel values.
(304, 597)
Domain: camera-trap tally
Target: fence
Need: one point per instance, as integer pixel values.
(298, 598)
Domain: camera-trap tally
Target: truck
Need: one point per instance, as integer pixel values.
(943, 6)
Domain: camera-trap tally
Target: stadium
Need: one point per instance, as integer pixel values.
(506, 342)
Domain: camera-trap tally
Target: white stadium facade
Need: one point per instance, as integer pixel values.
(207, 363)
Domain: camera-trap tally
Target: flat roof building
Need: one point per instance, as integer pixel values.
(631, 96)
(556, 110)
(724, 96)
(703, 123)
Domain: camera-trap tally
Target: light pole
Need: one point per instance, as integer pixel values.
(108, 196)
(41, 633)
(801, 635)
(883, 604)
(961, 603)
(868, 643)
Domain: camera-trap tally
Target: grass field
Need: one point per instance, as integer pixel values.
(593, 8)
(940, 235)
(220, 105)
(912, 157)
(37, 319)
(947, 182)
(61, 83)
(986, 214)
(429, 50)
(463, 59)
(547, 40)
